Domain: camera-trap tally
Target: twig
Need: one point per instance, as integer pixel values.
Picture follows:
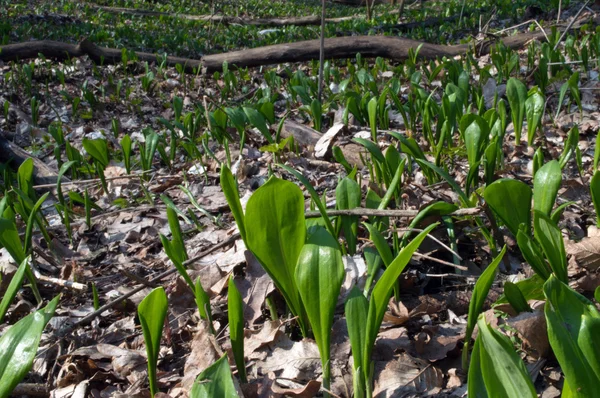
(138, 289)
(31, 390)
(437, 260)
(570, 25)
(95, 180)
(521, 24)
(59, 282)
(360, 211)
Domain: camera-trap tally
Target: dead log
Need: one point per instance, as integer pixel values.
(14, 155)
(394, 48)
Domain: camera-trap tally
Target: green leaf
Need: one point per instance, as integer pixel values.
(319, 276)
(372, 148)
(25, 178)
(515, 298)
(348, 196)
(276, 233)
(476, 137)
(531, 288)
(126, 148)
(203, 303)
(476, 385)
(235, 314)
(97, 149)
(595, 192)
(480, 292)
(31, 221)
(532, 255)
(13, 288)
(382, 292)
(502, 369)
(534, 110)
(10, 240)
(550, 239)
(18, 346)
(215, 381)
(372, 111)
(511, 201)
(567, 315)
(546, 184)
(380, 244)
(516, 93)
(314, 196)
(230, 190)
(257, 120)
(152, 311)
(356, 310)
(570, 146)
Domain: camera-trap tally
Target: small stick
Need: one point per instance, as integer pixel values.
(138, 289)
(59, 282)
(570, 24)
(437, 260)
(360, 211)
(95, 180)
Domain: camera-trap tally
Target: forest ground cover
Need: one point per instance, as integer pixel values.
(146, 165)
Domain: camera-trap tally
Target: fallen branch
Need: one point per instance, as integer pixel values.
(15, 156)
(394, 48)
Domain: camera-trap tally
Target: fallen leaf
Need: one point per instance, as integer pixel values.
(406, 375)
(529, 325)
(203, 354)
(307, 391)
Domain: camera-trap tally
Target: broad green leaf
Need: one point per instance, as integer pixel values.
(570, 147)
(511, 201)
(382, 246)
(515, 298)
(480, 292)
(546, 184)
(372, 148)
(257, 120)
(230, 190)
(503, 371)
(203, 303)
(97, 149)
(13, 288)
(550, 239)
(215, 381)
(348, 196)
(595, 192)
(31, 221)
(356, 311)
(532, 288)
(152, 311)
(276, 233)
(18, 346)
(476, 137)
(532, 255)
(319, 276)
(382, 292)
(490, 160)
(10, 240)
(235, 314)
(25, 178)
(534, 109)
(372, 111)
(476, 385)
(567, 313)
(516, 93)
(126, 148)
(314, 196)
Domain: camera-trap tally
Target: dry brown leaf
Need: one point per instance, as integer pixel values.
(296, 360)
(435, 342)
(203, 354)
(254, 288)
(307, 391)
(266, 335)
(586, 252)
(397, 314)
(529, 325)
(406, 375)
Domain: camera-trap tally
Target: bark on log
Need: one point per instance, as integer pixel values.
(394, 48)
(42, 173)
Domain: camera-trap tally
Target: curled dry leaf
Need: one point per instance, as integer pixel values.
(307, 391)
(406, 376)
